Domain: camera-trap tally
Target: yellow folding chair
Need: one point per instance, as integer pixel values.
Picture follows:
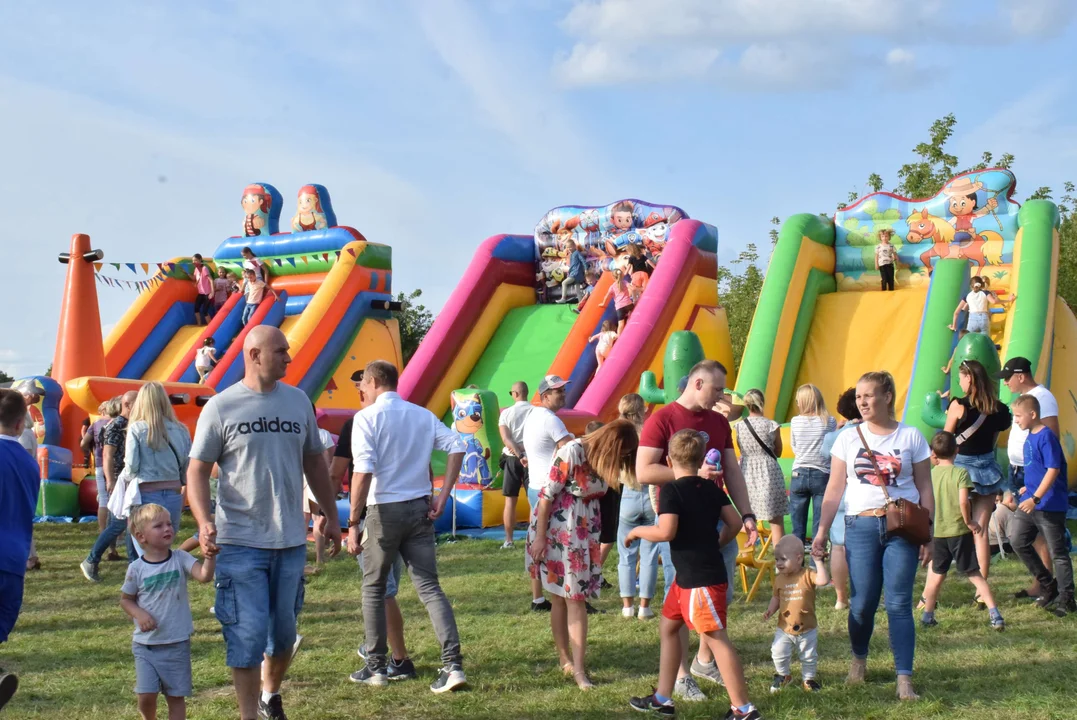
(749, 558)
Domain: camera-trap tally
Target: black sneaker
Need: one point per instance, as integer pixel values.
(362, 652)
(368, 676)
(272, 710)
(780, 681)
(9, 683)
(1047, 599)
(1024, 594)
(543, 606)
(450, 678)
(651, 705)
(402, 670)
(752, 714)
(812, 685)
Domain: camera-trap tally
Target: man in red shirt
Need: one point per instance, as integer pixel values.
(693, 410)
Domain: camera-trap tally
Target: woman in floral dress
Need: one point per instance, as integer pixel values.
(563, 539)
(759, 464)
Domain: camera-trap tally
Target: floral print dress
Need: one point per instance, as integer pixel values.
(572, 568)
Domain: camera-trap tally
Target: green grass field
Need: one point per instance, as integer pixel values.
(71, 649)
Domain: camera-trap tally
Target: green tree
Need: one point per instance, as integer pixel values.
(415, 321)
(5, 378)
(738, 292)
(1067, 239)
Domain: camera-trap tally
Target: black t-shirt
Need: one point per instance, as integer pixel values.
(639, 264)
(983, 440)
(697, 556)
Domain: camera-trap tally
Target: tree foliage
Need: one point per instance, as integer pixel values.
(5, 378)
(740, 282)
(415, 321)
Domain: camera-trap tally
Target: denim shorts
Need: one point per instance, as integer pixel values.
(979, 322)
(102, 490)
(163, 668)
(987, 477)
(259, 596)
(837, 530)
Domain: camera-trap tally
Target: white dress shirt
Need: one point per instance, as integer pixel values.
(392, 439)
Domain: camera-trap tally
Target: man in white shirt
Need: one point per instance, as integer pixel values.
(1017, 374)
(392, 440)
(543, 436)
(513, 458)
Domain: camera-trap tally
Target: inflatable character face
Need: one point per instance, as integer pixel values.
(309, 214)
(467, 415)
(589, 220)
(256, 204)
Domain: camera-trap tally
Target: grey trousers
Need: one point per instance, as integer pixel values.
(806, 645)
(404, 528)
(1023, 530)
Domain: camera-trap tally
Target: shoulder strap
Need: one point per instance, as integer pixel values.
(758, 439)
(971, 429)
(874, 462)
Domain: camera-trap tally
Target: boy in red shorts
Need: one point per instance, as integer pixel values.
(689, 509)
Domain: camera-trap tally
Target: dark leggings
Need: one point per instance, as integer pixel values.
(887, 273)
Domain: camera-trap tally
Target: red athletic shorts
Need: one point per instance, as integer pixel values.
(702, 609)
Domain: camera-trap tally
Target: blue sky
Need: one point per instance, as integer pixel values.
(438, 123)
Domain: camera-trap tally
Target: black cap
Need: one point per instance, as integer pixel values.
(1014, 365)
(357, 376)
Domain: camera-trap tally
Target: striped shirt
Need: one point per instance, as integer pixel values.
(807, 432)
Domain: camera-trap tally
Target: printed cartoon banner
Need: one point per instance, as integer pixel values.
(972, 217)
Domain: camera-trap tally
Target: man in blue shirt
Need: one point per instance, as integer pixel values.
(19, 486)
(1042, 509)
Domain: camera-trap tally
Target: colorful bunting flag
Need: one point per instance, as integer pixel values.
(115, 265)
(146, 268)
(97, 266)
(131, 266)
(350, 251)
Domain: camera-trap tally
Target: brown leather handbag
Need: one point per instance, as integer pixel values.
(904, 519)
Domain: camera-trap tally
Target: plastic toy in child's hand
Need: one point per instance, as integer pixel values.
(714, 457)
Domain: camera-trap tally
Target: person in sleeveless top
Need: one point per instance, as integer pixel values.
(760, 442)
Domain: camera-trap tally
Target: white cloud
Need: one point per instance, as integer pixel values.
(1040, 18)
(777, 44)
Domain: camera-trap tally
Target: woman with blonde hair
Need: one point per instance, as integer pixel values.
(635, 510)
(563, 539)
(878, 452)
(811, 467)
(760, 441)
(157, 451)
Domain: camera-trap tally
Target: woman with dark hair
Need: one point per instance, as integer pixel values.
(879, 452)
(976, 420)
(563, 540)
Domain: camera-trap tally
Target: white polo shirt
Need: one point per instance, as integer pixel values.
(1015, 445)
(393, 439)
(514, 418)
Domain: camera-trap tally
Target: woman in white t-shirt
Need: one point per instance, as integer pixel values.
(978, 303)
(878, 561)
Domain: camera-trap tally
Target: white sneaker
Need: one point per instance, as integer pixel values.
(687, 689)
(507, 545)
(627, 612)
(645, 613)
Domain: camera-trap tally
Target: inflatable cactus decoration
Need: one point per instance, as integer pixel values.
(974, 346)
(682, 352)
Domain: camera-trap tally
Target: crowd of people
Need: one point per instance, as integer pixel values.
(666, 489)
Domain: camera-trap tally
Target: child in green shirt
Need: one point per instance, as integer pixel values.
(954, 529)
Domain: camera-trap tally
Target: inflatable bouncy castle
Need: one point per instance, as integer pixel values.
(507, 320)
(329, 292)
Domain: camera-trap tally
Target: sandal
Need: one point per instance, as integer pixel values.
(582, 681)
(567, 669)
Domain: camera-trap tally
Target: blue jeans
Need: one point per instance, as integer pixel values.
(259, 596)
(636, 511)
(879, 562)
(248, 311)
(979, 322)
(169, 499)
(806, 487)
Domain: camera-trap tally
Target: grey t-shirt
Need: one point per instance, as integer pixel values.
(258, 440)
(161, 589)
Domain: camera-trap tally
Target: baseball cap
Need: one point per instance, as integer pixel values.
(551, 382)
(1014, 365)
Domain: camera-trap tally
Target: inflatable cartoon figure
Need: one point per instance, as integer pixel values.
(552, 269)
(468, 421)
(309, 214)
(257, 204)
